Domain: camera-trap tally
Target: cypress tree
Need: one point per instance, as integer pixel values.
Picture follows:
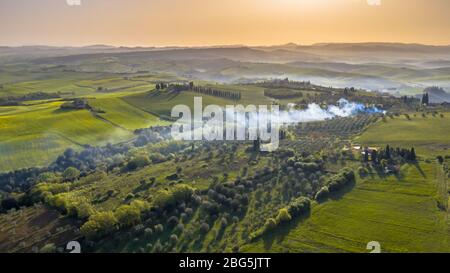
(413, 154)
(388, 152)
(425, 99)
(374, 156)
(366, 155)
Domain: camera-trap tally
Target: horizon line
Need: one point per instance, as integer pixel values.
(218, 45)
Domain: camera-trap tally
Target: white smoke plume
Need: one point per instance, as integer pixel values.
(251, 122)
(313, 112)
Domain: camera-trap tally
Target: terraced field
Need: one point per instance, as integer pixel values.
(399, 213)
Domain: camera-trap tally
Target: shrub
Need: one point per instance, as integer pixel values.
(159, 228)
(173, 238)
(157, 158)
(283, 216)
(46, 177)
(210, 208)
(141, 205)
(189, 211)
(158, 248)
(179, 228)
(204, 227)
(172, 221)
(224, 222)
(183, 217)
(173, 176)
(84, 210)
(99, 224)
(70, 174)
(339, 181)
(148, 231)
(170, 197)
(299, 206)
(138, 162)
(78, 206)
(95, 177)
(128, 215)
(52, 188)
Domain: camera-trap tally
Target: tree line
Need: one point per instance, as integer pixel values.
(389, 153)
(17, 100)
(180, 87)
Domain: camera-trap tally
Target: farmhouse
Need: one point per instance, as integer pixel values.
(76, 104)
(363, 149)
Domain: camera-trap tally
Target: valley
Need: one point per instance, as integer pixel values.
(86, 151)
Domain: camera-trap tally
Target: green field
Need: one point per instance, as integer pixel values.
(116, 84)
(16, 84)
(162, 102)
(401, 214)
(37, 132)
(34, 135)
(72, 83)
(122, 114)
(428, 135)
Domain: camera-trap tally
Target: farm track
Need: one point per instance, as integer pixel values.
(399, 193)
(97, 116)
(67, 138)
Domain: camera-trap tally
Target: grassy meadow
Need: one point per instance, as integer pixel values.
(73, 83)
(161, 102)
(429, 135)
(24, 82)
(124, 115)
(400, 213)
(35, 134)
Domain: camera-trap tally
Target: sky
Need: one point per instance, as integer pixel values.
(222, 22)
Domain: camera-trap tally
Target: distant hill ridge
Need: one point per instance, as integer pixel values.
(437, 94)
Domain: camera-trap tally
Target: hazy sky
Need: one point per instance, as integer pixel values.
(213, 22)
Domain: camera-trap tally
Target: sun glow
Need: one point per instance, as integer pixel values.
(210, 22)
(295, 5)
